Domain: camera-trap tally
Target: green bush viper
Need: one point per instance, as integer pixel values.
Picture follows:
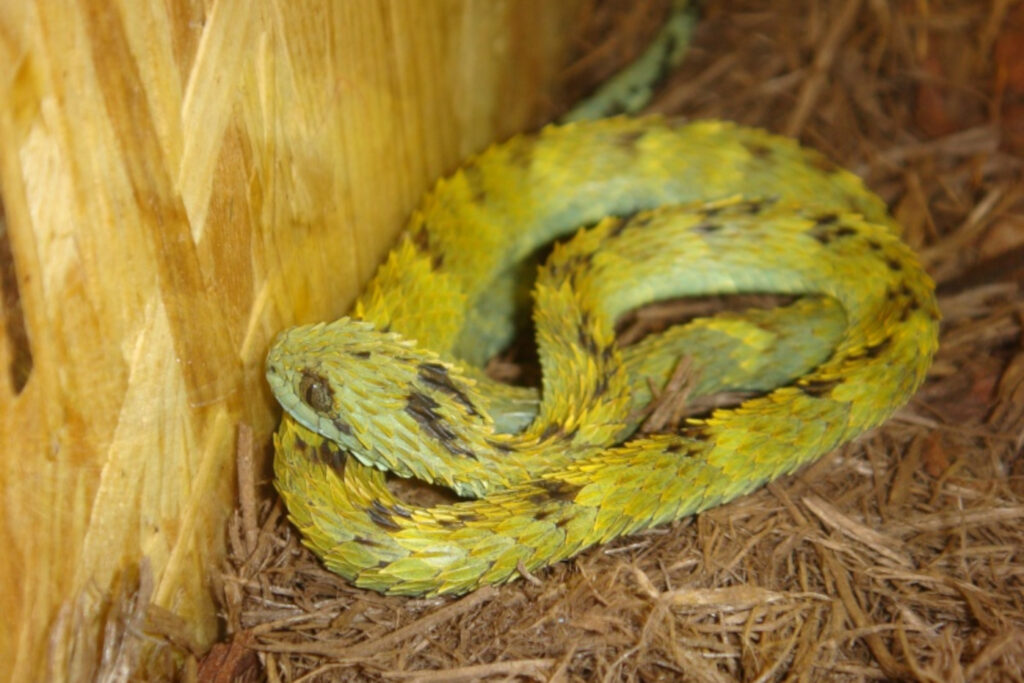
(677, 209)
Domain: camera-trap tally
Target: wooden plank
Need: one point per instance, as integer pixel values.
(180, 181)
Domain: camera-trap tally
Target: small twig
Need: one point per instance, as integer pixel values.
(667, 408)
(365, 649)
(247, 486)
(811, 90)
(532, 668)
(525, 573)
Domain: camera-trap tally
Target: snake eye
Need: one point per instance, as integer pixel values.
(316, 393)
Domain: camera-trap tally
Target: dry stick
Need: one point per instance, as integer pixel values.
(366, 649)
(808, 647)
(889, 665)
(561, 672)
(780, 658)
(247, 486)
(532, 668)
(908, 654)
(957, 519)
(1008, 410)
(997, 647)
(965, 235)
(525, 573)
(811, 89)
(677, 97)
(874, 540)
(666, 407)
(314, 674)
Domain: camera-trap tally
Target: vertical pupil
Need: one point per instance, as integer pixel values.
(316, 393)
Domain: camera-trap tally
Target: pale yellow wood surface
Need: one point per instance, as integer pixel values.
(181, 180)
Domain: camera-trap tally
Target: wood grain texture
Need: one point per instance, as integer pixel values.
(180, 181)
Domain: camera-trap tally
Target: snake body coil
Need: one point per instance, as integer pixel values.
(698, 208)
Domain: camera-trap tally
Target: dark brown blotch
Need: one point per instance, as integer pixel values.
(342, 426)
(695, 431)
(401, 511)
(435, 375)
(757, 150)
(544, 514)
(876, 349)
(550, 431)
(827, 228)
(620, 226)
(325, 452)
(586, 340)
(707, 227)
(556, 489)
(451, 523)
(628, 140)
(421, 239)
(368, 542)
(633, 219)
(641, 220)
(331, 456)
(818, 388)
(500, 446)
(755, 206)
(520, 152)
(912, 307)
(364, 355)
(423, 409)
(381, 516)
(846, 231)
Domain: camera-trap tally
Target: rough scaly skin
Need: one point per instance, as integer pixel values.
(742, 211)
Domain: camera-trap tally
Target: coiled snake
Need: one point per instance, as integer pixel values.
(694, 208)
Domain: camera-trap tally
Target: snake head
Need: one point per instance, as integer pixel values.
(376, 394)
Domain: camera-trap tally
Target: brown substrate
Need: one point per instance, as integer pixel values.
(899, 556)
